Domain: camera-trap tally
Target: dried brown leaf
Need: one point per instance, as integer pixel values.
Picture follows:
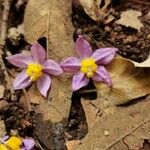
(128, 82)
(129, 18)
(53, 20)
(121, 126)
(92, 8)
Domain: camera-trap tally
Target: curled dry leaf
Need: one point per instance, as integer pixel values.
(130, 18)
(53, 20)
(92, 8)
(128, 82)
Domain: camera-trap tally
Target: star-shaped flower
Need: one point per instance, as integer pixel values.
(36, 67)
(89, 64)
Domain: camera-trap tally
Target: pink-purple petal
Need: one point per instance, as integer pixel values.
(44, 84)
(38, 53)
(83, 47)
(51, 67)
(21, 81)
(104, 56)
(79, 80)
(71, 64)
(28, 144)
(20, 60)
(102, 75)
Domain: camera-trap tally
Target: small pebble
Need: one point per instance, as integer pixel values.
(106, 133)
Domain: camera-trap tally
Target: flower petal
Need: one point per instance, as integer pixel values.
(43, 84)
(51, 67)
(79, 80)
(38, 53)
(20, 60)
(22, 81)
(71, 64)
(28, 144)
(102, 75)
(83, 47)
(104, 55)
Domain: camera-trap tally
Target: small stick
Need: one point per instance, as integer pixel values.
(5, 20)
(39, 144)
(2, 141)
(27, 100)
(3, 37)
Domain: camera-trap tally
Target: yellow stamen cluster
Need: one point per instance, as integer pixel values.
(34, 71)
(88, 66)
(13, 143)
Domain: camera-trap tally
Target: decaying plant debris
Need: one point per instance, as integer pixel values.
(95, 117)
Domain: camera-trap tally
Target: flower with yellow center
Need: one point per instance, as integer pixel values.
(36, 67)
(34, 71)
(88, 66)
(12, 143)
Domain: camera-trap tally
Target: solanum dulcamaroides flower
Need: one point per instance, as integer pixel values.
(36, 67)
(89, 64)
(17, 143)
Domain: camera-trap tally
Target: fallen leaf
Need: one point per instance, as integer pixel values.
(122, 126)
(52, 19)
(129, 18)
(129, 82)
(92, 8)
(146, 63)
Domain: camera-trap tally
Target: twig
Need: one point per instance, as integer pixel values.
(39, 145)
(2, 141)
(126, 134)
(3, 37)
(27, 100)
(5, 20)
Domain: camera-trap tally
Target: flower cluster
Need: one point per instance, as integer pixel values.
(37, 67)
(17, 143)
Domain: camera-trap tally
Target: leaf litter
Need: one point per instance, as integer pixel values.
(107, 116)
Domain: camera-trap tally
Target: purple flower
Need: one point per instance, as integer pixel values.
(35, 68)
(28, 144)
(89, 65)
